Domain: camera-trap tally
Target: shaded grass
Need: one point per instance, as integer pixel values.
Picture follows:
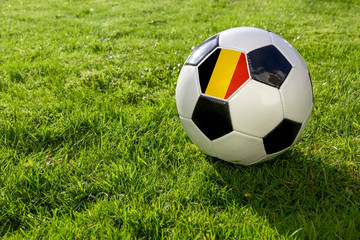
(91, 145)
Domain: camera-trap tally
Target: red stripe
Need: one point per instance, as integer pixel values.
(239, 77)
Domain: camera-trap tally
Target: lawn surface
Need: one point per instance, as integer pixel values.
(90, 141)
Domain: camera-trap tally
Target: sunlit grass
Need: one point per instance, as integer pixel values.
(91, 145)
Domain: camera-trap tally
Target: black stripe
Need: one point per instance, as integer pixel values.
(206, 69)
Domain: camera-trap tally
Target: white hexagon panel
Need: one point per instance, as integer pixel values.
(297, 86)
(230, 148)
(244, 39)
(291, 54)
(197, 136)
(187, 91)
(256, 109)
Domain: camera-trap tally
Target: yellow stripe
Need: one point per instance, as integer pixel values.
(222, 73)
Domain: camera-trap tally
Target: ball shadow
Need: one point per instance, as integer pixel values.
(296, 192)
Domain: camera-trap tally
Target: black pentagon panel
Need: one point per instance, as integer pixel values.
(282, 136)
(212, 116)
(203, 50)
(268, 65)
(206, 69)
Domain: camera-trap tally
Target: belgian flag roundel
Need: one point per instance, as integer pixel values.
(223, 72)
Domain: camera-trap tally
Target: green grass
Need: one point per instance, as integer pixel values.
(91, 145)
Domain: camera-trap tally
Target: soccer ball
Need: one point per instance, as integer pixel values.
(244, 95)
